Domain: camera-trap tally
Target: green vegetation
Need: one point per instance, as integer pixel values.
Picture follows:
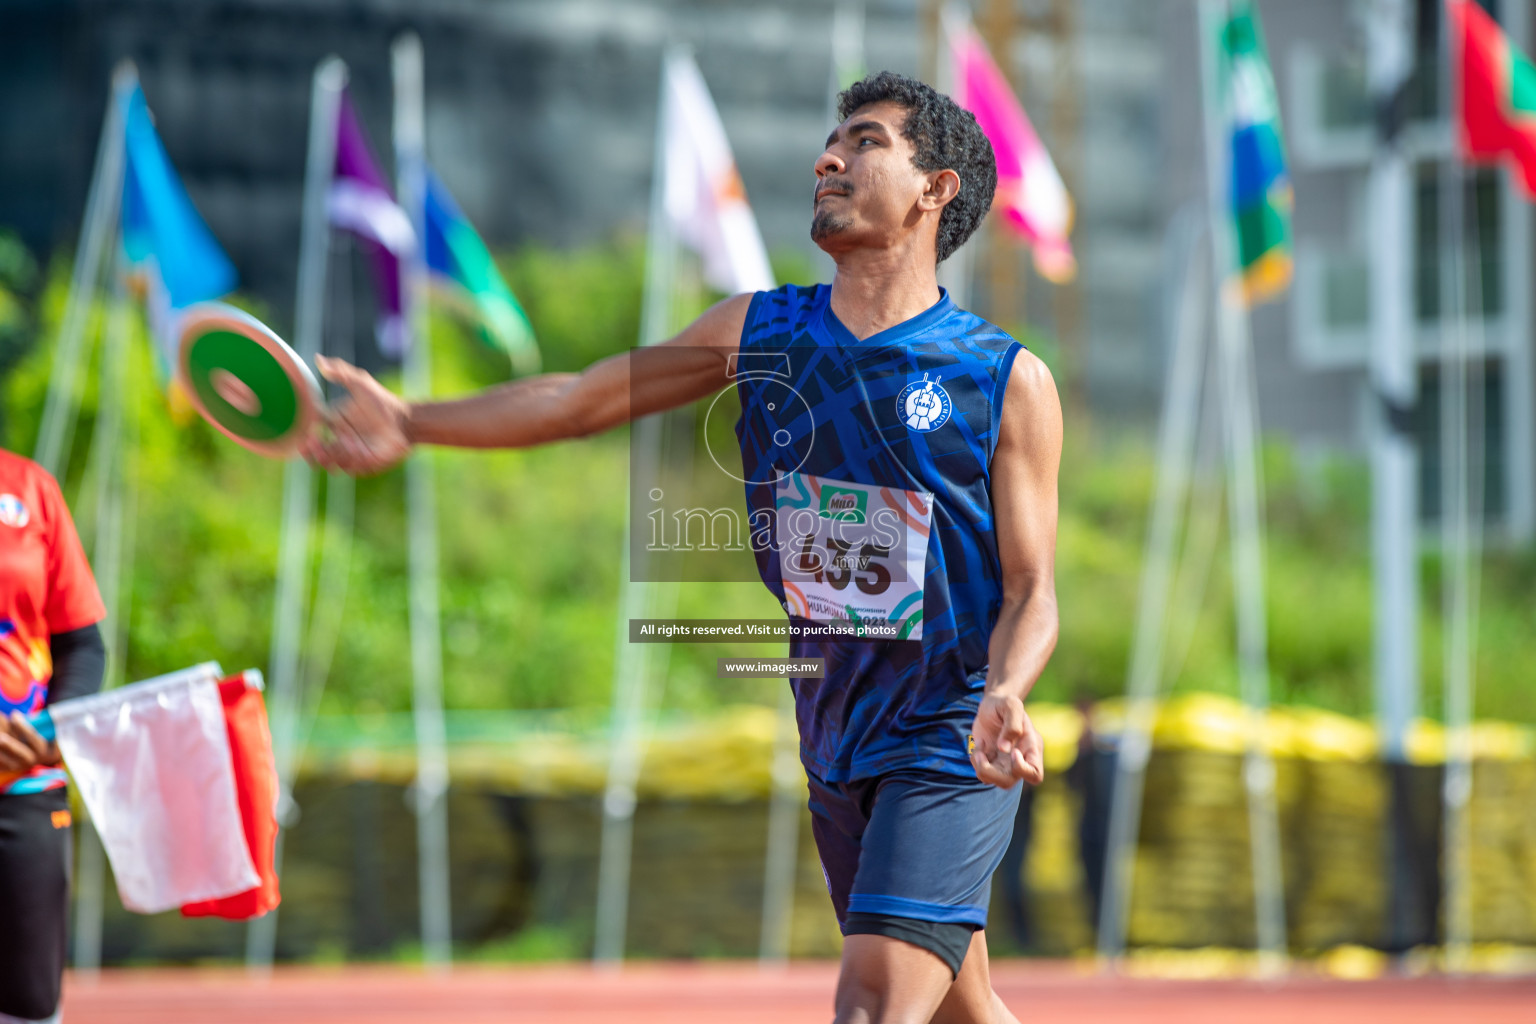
(531, 543)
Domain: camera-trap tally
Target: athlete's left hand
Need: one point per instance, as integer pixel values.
(1005, 747)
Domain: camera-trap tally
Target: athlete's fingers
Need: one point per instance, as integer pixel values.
(1030, 752)
(991, 772)
(1012, 722)
(339, 371)
(370, 407)
(362, 407)
(365, 431)
(326, 453)
(1028, 769)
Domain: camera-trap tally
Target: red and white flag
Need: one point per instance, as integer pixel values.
(177, 774)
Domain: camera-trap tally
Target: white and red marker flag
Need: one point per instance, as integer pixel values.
(705, 200)
(180, 786)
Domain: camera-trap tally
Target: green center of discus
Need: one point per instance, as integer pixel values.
(259, 370)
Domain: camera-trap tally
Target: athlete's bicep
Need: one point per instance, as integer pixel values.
(1024, 474)
(693, 365)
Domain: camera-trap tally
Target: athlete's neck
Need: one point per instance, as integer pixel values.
(873, 291)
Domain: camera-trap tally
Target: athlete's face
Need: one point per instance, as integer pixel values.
(868, 193)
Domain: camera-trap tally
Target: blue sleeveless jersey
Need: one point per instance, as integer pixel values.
(867, 471)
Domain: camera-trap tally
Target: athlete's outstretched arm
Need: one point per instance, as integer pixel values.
(1024, 470)
(372, 429)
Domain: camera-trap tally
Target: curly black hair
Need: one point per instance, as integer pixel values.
(944, 136)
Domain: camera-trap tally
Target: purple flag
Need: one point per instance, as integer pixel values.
(360, 201)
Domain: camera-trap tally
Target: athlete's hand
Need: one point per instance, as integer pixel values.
(1004, 744)
(21, 748)
(367, 427)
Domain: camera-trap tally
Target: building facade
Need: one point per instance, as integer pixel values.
(1312, 348)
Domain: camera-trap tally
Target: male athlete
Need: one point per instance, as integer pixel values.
(900, 456)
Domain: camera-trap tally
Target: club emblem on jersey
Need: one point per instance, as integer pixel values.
(13, 512)
(923, 405)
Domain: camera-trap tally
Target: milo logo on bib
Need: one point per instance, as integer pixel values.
(853, 553)
(837, 503)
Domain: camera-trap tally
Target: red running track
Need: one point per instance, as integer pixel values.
(1038, 993)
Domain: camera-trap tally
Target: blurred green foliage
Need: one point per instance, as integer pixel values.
(531, 540)
(18, 278)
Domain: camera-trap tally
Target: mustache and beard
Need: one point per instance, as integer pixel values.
(827, 223)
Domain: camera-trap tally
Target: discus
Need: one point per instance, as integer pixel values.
(246, 381)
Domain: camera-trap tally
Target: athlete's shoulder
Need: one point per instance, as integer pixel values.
(785, 310)
(964, 323)
(1031, 404)
(1029, 376)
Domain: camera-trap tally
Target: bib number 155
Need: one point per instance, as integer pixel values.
(839, 566)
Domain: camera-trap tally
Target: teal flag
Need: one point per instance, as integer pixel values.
(457, 257)
(165, 240)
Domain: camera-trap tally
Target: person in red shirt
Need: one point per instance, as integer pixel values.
(50, 649)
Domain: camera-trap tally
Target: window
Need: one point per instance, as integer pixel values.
(1426, 428)
(1483, 293)
(1333, 285)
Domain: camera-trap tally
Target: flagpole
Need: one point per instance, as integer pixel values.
(847, 50)
(955, 272)
(1518, 373)
(96, 227)
(431, 785)
(1456, 537)
(329, 605)
(1455, 590)
(1394, 455)
(111, 447)
(1244, 515)
(290, 600)
(631, 671)
(1176, 450)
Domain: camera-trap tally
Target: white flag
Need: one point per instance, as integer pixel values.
(151, 763)
(705, 200)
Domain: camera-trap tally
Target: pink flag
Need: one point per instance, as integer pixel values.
(1031, 198)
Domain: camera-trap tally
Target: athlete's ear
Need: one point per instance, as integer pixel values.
(942, 187)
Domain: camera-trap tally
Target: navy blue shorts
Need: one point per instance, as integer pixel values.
(912, 844)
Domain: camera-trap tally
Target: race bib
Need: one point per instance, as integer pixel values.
(853, 553)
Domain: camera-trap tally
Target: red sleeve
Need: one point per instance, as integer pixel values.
(73, 600)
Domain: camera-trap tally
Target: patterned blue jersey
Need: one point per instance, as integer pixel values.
(869, 501)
